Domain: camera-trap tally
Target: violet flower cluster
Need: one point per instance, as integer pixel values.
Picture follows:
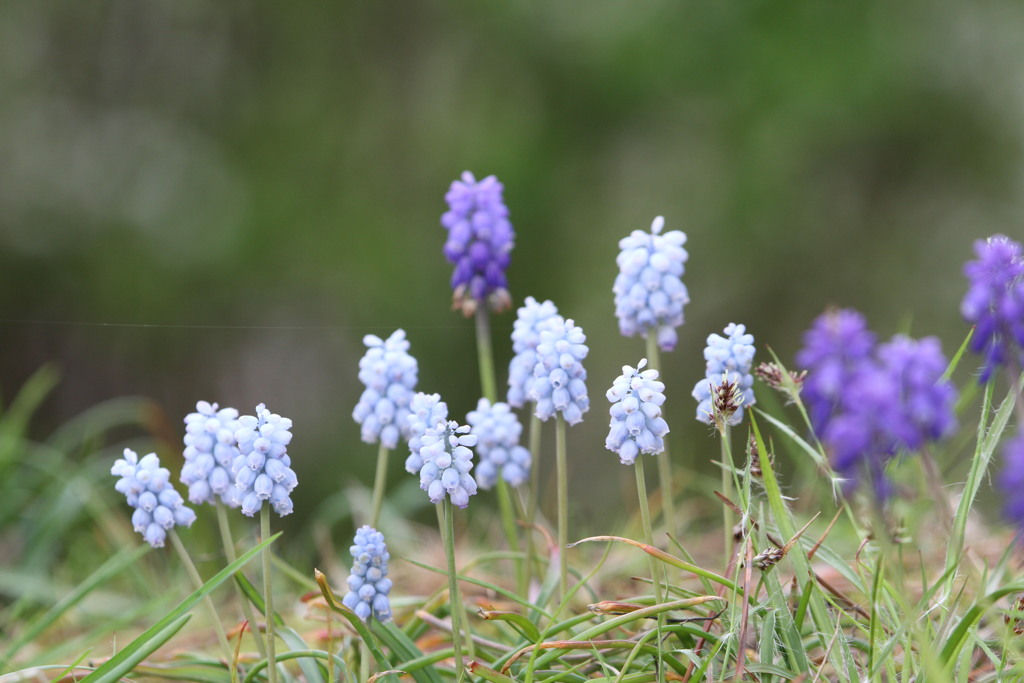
(368, 583)
(447, 462)
(559, 378)
(869, 402)
(636, 425)
(649, 291)
(480, 240)
(146, 485)
(531, 318)
(994, 303)
(728, 385)
(425, 410)
(262, 469)
(389, 374)
(1011, 480)
(498, 430)
(210, 450)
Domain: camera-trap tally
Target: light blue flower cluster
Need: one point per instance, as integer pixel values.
(636, 425)
(262, 469)
(389, 374)
(728, 362)
(559, 376)
(210, 449)
(531, 318)
(447, 462)
(425, 410)
(368, 583)
(498, 430)
(480, 240)
(649, 293)
(146, 485)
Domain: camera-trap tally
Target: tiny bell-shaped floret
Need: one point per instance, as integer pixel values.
(146, 485)
(480, 241)
(636, 425)
(531, 318)
(559, 378)
(368, 583)
(262, 469)
(425, 410)
(649, 291)
(498, 431)
(389, 374)
(447, 462)
(210, 450)
(728, 383)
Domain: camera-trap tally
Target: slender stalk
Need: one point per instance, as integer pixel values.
(508, 523)
(378, 483)
(446, 514)
(727, 475)
(563, 506)
(231, 555)
(533, 496)
(668, 506)
(268, 594)
(197, 581)
(488, 384)
(645, 520)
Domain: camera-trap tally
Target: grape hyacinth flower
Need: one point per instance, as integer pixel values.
(210, 450)
(425, 410)
(262, 469)
(447, 462)
(531, 318)
(636, 425)
(559, 378)
(368, 583)
(1011, 481)
(498, 430)
(158, 507)
(649, 294)
(389, 374)
(835, 348)
(994, 303)
(727, 374)
(480, 241)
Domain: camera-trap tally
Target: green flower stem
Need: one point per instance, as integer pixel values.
(727, 476)
(563, 506)
(229, 553)
(483, 348)
(378, 483)
(645, 519)
(268, 593)
(533, 495)
(508, 522)
(197, 581)
(668, 506)
(446, 516)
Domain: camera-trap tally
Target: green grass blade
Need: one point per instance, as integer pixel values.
(125, 661)
(405, 649)
(310, 670)
(961, 632)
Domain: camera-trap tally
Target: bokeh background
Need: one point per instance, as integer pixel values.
(218, 200)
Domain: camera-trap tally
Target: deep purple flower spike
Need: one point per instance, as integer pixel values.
(994, 303)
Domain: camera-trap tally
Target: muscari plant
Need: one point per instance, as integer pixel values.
(792, 597)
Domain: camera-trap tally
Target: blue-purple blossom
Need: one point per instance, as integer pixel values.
(728, 364)
(389, 374)
(480, 240)
(835, 347)
(531, 318)
(636, 425)
(447, 462)
(425, 411)
(649, 294)
(873, 402)
(262, 470)
(210, 449)
(995, 303)
(1011, 480)
(368, 583)
(498, 430)
(559, 378)
(146, 485)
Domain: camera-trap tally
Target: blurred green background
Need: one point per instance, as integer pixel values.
(218, 200)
